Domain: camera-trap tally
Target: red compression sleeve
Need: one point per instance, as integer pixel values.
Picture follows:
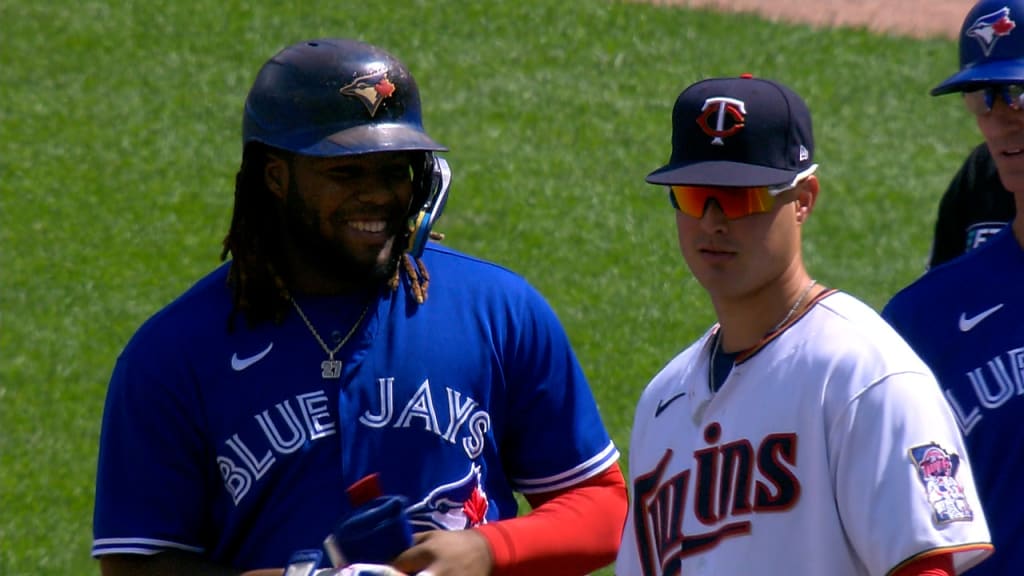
(937, 565)
(571, 531)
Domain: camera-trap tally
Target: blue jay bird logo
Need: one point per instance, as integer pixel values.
(371, 90)
(988, 29)
(455, 506)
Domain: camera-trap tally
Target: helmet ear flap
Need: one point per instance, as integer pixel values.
(422, 168)
(430, 194)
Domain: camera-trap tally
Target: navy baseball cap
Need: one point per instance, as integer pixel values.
(741, 131)
(991, 47)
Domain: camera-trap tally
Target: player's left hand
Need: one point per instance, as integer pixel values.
(447, 553)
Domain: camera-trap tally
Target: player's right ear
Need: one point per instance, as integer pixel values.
(807, 196)
(275, 175)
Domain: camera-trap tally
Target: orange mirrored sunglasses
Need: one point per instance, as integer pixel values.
(734, 202)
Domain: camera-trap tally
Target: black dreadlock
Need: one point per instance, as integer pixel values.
(254, 241)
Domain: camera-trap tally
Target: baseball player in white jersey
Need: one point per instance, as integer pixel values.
(800, 435)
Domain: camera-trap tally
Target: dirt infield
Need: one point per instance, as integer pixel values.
(914, 18)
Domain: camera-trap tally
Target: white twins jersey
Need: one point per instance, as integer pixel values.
(829, 449)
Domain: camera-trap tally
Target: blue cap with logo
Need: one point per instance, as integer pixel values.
(991, 47)
(741, 131)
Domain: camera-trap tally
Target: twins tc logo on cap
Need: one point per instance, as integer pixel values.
(988, 29)
(728, 114)
(371, 90)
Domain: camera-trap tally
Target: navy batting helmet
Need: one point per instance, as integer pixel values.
(335, 97)
(991, 47)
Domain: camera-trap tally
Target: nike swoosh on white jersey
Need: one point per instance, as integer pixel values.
(239, 364)
(664, 403)
(966, 324)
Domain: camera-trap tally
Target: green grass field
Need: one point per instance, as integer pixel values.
(120, 137)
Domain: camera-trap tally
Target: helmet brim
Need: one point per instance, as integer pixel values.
(370, 138)
(994, 72)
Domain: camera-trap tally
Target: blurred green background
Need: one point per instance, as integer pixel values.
(120, 138)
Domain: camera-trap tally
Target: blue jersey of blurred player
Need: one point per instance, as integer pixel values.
(966, 318)
(336, 344)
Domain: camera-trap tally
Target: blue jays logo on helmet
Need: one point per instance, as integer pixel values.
(991, 48)
(371, 90)
(455, 506)
(989, 28)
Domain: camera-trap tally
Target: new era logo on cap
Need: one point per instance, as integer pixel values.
(738, 132)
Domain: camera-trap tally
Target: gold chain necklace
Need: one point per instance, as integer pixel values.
(718, 336)
(330, 368)
(796, 305)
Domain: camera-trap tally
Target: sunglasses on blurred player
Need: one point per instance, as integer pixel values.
(980, 101)
(735, 202)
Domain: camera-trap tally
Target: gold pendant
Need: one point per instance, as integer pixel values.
(330, 369)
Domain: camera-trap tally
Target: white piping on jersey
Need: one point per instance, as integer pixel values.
(146, 546)
(583, 471)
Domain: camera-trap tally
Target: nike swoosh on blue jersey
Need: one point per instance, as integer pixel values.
(239, 364)
(664, 403)
(966, 324)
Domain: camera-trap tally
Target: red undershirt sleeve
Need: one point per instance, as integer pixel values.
(937, 565)
(558, 535)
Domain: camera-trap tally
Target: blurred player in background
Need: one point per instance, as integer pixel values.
(800, 435)
(966, 318)
(975, 207)
(337, 344)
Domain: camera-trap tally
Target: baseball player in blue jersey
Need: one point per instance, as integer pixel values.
(337, 344)
(966, 318)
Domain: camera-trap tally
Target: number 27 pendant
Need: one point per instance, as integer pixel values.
(330, 369)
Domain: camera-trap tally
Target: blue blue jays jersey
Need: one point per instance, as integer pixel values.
(966, 321)
(239, 444)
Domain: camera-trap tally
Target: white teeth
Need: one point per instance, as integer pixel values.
(1012, 152)
(369, 225)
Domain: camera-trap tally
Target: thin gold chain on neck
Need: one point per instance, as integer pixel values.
(330, 352)
(796, 305)
(717, 344)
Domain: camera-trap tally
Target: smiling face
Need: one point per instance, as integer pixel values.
(1003, 129)
(341, 216)
(737, 259)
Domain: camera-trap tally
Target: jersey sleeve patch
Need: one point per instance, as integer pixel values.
(937, 469)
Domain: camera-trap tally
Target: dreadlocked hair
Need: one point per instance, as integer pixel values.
(419, 278)
(259, 293)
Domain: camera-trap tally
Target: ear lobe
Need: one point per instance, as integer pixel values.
(275, 176)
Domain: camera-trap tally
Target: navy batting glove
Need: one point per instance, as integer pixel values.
(374, 533)
(376, 530)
